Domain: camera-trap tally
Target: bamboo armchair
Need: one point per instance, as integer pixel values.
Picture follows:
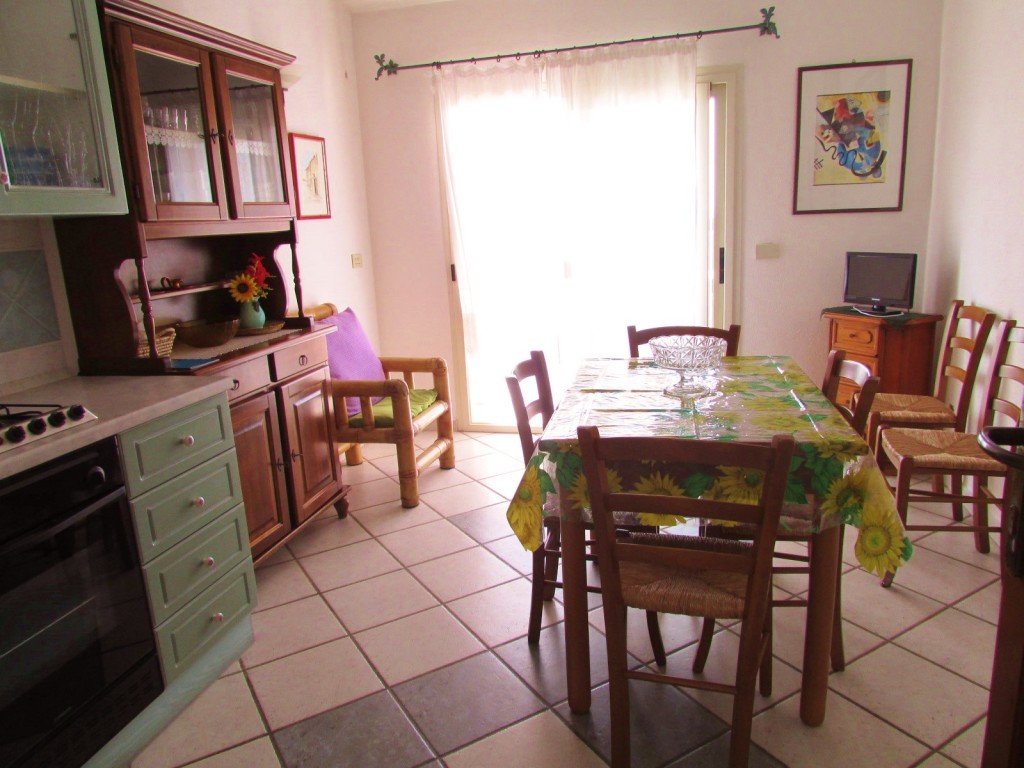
(403, 412)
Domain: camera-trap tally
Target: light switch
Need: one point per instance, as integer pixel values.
(357, 261)
(766, 251)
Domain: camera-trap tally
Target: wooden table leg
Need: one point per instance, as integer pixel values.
(574, 600)
(821, 599)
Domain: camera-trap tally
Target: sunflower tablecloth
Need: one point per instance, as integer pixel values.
(833, 479)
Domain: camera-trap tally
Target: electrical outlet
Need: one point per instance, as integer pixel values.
(357, 261)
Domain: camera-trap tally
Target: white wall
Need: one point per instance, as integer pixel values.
(974, 240)
(778, 301)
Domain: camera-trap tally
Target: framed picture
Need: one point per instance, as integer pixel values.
(309, 161)
(851, 137)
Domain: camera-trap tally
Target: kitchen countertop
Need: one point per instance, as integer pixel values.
(119, 402)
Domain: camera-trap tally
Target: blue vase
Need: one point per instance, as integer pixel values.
(251, 315)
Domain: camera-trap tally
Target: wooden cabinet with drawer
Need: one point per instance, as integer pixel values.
(282, 416)
(185, 493)
(900, 350)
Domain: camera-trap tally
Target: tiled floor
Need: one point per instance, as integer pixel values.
(397, 638)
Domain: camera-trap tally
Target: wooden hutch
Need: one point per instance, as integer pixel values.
(201, 126)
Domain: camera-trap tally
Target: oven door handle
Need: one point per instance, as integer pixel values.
(31, 539)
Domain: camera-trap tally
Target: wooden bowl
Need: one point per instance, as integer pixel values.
(207, 333)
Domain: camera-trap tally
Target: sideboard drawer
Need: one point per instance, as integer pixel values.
(188, 568)
(170, 445)
(304, 356)
(247, 377)
(197, 626)
(168, 514)
(853, 336)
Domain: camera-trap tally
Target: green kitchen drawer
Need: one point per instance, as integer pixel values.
(197, 627)
(190, 567)
(167, 446)
(172, 511)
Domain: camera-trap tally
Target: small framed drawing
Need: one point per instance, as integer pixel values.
(851, 137)
(309, 162)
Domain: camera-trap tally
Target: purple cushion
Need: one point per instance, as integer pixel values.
(350, 356)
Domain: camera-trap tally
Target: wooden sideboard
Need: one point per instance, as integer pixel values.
(900, 350)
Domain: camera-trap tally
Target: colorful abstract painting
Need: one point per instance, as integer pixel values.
(851, 131)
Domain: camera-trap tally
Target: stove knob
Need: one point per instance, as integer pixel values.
(76, 412)
(37, 426)
(15, 434)
(57, 418)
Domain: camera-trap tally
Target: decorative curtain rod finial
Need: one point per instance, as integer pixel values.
(389, 66)
(768, 27)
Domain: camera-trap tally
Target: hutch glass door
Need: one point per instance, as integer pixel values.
(254, 138)
(172, 113)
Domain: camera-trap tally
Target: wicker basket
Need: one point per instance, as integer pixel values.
(164, 343)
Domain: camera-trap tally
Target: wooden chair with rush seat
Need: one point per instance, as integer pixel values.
(956, 454)
(967, 331)
(690, 575)
(533, 372)
(644, 335)
(372, 406)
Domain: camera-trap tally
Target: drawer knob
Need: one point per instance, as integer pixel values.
(199, 501)
(296, 455)
(217, 617)
(188, 440)
(235, 385)
(209, 562)
(303, 360)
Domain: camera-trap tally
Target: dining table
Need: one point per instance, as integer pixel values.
(833, 482)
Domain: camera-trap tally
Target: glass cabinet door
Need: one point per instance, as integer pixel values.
(252, 120)
(169, 103)
(58, 150)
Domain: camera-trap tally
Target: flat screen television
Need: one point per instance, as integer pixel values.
(880, 283)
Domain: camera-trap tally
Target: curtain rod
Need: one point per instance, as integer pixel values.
(766, 25)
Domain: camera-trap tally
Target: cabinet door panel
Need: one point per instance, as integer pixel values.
(264, 491)
(58, 150)
(312, 456)
(169, 103)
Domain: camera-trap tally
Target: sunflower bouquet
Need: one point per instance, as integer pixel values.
(251, 283)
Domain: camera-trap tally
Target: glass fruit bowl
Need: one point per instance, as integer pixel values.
(692, 357)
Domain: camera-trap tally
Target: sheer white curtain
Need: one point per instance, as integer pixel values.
(571, 197)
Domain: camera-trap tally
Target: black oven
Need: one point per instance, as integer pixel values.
(77, 653)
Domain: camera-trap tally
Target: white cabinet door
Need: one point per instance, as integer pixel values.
(58, 148)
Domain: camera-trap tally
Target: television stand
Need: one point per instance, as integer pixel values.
(898, 349)
(879, 311)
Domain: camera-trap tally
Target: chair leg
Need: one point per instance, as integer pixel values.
(618, 685)
(354, 455)
(838, 649)
(742, 713)
(536, 595)
(981, 542)
(765, 673)
(408, 475)
(707, 631)
(956, 488)
(553, 554)
(904, 474)
(656, 642)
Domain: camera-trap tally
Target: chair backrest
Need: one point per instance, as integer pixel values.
(535, 368)
(837, 368)
(1004, 400)
(672, 455)
(967, 331)
(731, 336)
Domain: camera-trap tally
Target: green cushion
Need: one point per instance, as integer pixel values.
(384, 414)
